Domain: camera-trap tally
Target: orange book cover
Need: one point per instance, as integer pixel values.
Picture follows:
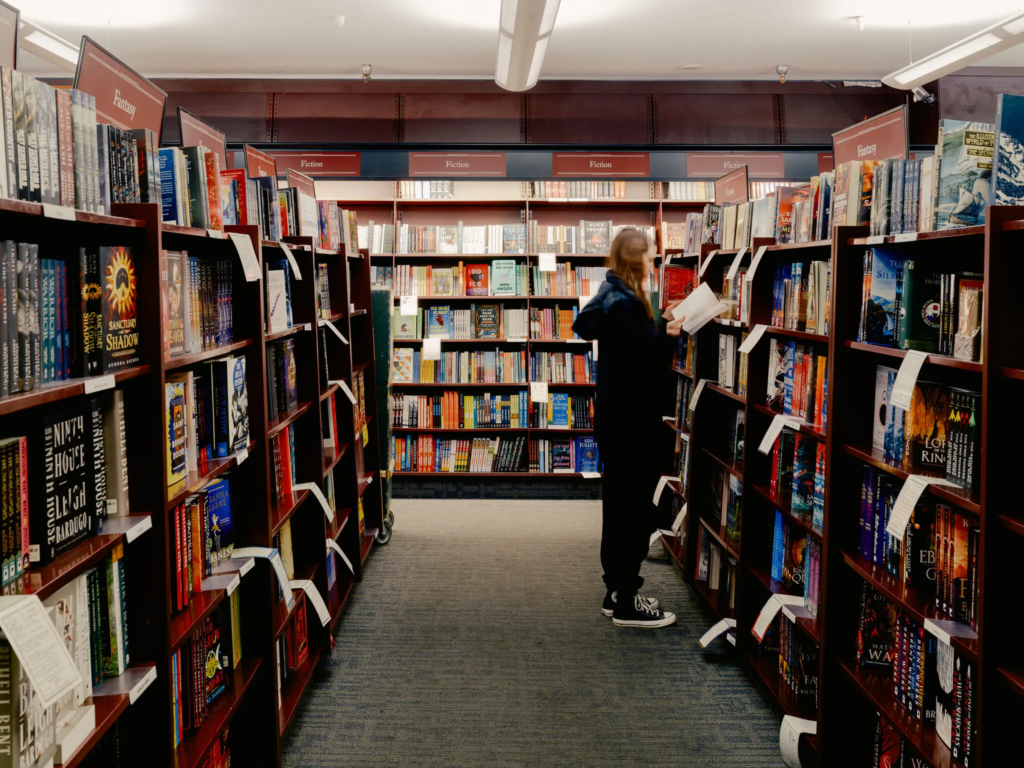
(213, 190)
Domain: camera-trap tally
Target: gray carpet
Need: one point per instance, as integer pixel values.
(477, 639)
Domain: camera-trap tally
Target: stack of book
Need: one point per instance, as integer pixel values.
(683, 414)
(590, 237)
(798, 477)
(563, 412)
(682, 355)
(323, 291)
(740, 224)
(191, 186)
(553, 323)
(732, 364)
(455, 410)
(578, 190)
(461, 238)
(480, 454)
(331, 437)
(480, 321)
(798, 381)
(685, 236)
(377, 238)
(801, 296)
(564, 455)
(565, 280)
(563, 367)
(500, 366)
(725, 491)
(502, 277)
(199, 304)
(282, 384)
(382, 277)
(203, 533)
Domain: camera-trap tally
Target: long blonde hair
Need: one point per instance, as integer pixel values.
(626, 261)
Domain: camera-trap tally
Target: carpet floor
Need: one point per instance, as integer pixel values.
(477, 639)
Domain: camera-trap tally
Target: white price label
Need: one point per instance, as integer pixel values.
(590, 475)
(716, 631)
(662, 482)
(39, 647)
(216, 234)
(271, 554)
(291, 260)
(334, 329)
(876, 239)
(789, 738)
(140, 687)
(794, 612)
(313, 595)
(770, 610)
(138, 529)
(752, 338)
(756, 262)
(906, 237)
(62, 212)
(678, 522)
(705, 262)
(333, 545)
(407, 305)
(431, 349)
(696, 396)
(945, 630)
(907, 500)
(906, 378)
(315, 490)
(241, 456)
(779, 422)
(344, 388)
(547, 262)
(99, 383)
(539, 392)
(233, 584)
(246, 254)
(734, 267)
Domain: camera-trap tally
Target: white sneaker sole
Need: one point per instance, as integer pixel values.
(610, 612)
(667, 621)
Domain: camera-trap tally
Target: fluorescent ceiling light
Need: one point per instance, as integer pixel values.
(93, 14)
(48, 46)
(999, 37)
(523, 34)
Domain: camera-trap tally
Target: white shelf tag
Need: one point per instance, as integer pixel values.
(233, 584)
(731, 637)
(313, 595)
(595, 350)
(876, 239)
(344, 388)
(216, 234)
(734, 267)
(755, 262)
(696, 396)
(271, 554)
(241, 456)
(590, 475)
(140, 687)
(547, 262)
(250, 264)
(99, 383)
(907, 500)
(779, 422)
(539, 392)
(662, 482)
(720, 628)
(332, 544)
(752, 338)
(431, 349)
(770, 610)
(39, 648)
(678, 522)
(291, 260)
(789, 738)
(407, 305)
(945, 630)
(139, 528)
(61, 212)
(794, 612)
(315, 490)
(336, 332)
(906, 378)
(707, 260)
(906, 237)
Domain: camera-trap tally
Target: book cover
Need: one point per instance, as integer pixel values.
(174, 424)
(561, 455)
(503, 276)
(404, 325)
(787, 198)
(174, 301)
(219, 524)
(794, 559)
(1008, 163)
(924, 434)
(881, 310)
(597, 236)
(31, 739)
(198, 201)
(559, 410)
(485, 321)
(440, 281)
(876, 630)
(920, 309)
(780, 360)
(477, 280)
(401, 365)
(120, 310)
(964, 174)
(589, 456)
(440, 322)
(804, 463)
(68, 609)
(678, 283)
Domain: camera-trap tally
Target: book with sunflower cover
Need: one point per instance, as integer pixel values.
(120, 308)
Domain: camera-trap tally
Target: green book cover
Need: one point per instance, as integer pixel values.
(503, 277)
(920, 309)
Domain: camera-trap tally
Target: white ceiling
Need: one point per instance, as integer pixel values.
(593, 39)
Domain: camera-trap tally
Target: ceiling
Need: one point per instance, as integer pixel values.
(593, 39)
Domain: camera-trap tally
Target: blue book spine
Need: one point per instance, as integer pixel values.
(168, 190)
(787, 404)
(777, 547)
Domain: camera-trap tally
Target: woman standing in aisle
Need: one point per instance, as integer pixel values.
(632, 364)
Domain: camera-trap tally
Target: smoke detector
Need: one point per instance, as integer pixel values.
(339, 21)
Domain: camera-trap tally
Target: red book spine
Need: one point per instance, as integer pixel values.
(66, 144)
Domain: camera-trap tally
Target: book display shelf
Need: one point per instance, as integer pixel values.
(501, 203)
(852, 700)
(139, 703)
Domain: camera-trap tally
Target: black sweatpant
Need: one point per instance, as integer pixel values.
(628, 520)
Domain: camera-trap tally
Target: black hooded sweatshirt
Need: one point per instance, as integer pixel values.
(634, 355)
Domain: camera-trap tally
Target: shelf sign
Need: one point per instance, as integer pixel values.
(882, 137)
(711, 165)
(601, 164)
(258, 163)
(436, 164)
(732, 188)
(301, 182)
(826, 162)
(9, 25)
(318, 163)
(198, 133)
(124, 98)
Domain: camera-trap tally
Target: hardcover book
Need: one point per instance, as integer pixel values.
(597, 236)
(925, 428)
(965, 173)
(174, 424)
(477, 280)
(503, 275)
(120, 310)
(219, 520)
(920, 309)
(876, 631)
(881, 308)
(174, 291)
(231, 405)
(439, 323)
(1008, 163)
(441, 282)
(485, 321)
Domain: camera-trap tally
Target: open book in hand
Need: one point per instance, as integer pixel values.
(698, 308)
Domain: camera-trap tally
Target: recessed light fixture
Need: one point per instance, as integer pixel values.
(339, 21)
(524, 29)
(690, 67)
(1001, 36)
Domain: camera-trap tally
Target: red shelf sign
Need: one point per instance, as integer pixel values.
(318, 163)
(882, 137)
(301, 182)
(258, 163)
(601, 164)
(457, 164)
(711, 165)
(732, 188)
(197, 133)
(124, 98)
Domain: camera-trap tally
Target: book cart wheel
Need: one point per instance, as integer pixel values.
(389, 518)
(384, 534)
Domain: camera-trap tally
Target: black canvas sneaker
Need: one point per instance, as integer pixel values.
(639, 614)
(609, 603)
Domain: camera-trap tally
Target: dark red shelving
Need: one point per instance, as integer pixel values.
(61, 390)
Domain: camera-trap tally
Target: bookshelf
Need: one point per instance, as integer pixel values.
(850, 695)
(136, 701)
(497, 202)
